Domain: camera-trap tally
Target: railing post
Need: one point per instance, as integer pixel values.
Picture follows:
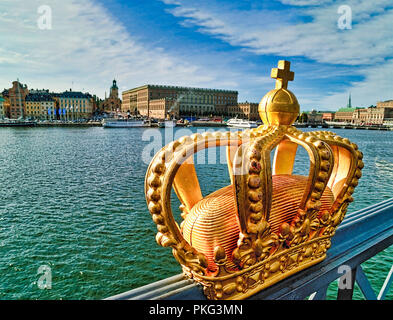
(365, 285)
(345, 291)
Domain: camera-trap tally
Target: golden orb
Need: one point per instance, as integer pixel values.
(280, 106)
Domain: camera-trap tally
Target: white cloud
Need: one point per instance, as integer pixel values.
(306, 2)
(369, 44)
(377, 86)
(266, 32)
(87, 47)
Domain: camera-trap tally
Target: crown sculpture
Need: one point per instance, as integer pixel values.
(268, 223)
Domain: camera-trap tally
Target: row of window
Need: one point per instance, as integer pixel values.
(191, 108)
(39, 102)
(38, 107)
(189, 99)
(46, 111)
(72, 102)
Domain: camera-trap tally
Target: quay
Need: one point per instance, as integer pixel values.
(196, 123)
(20, 124)
(69, 124)
(208, 124)
(342, 126)
(359, 237)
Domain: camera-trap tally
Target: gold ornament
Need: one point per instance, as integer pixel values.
(268, 223)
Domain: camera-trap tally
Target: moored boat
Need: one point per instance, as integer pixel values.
(240, 123)
(125, 123)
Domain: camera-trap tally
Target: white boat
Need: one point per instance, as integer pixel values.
(337, 123)
(125, 123)
(167, 124)
(240, 123)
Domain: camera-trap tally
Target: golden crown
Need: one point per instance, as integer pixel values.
(268, 223)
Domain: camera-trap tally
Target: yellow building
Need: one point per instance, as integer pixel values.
(73, 105)
(163, 108)
(40, 105)
(244, 110)
(345, 115)
(186, 100)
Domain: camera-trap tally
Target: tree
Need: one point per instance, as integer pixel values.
(303, 118)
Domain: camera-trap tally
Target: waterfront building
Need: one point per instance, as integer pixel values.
(388, 122)
(375, 115)
(20, 102)
(328, 116)
(113, 102)
(388, 104)
(6, 106)
(345, 115)
(388, 112)
(73, 105)
(235, 111)
(164, 108)
(314, 117)
(2, 111)
(40, 105)
(244, 110)
(188, 101)
(16, 104)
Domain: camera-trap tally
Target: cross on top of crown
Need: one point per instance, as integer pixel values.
(282, 74)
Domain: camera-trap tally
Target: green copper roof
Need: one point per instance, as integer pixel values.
(346, 110)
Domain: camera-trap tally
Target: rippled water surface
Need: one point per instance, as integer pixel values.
(73, 200)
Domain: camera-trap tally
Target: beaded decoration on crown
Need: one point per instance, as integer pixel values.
(268, 223)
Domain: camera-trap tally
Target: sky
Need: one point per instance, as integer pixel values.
(334, 50)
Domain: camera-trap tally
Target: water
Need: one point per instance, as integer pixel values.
(73, 200)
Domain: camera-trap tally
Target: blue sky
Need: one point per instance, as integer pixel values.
(214, 43)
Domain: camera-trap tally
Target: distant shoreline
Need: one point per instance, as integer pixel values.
(197, 124)
(67, 124)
